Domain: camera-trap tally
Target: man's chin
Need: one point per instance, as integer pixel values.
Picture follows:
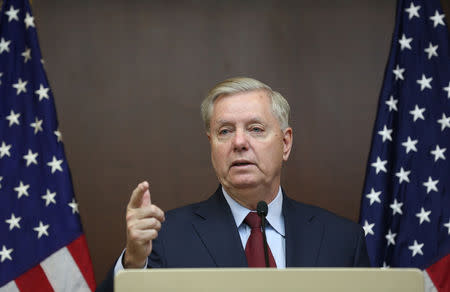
(244, 183)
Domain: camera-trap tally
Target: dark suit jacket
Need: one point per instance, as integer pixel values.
(205, 235)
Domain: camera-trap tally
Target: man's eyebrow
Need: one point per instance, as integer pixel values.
(223, 122)
(255, 120)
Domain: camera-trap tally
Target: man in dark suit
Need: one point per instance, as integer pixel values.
(247, 126)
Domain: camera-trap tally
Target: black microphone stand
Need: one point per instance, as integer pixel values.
(262, 209)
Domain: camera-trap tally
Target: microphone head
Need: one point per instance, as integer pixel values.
(261, 208)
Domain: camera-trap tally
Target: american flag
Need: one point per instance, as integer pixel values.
(405, 208)
(42, 246)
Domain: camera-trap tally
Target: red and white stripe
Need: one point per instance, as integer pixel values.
(68, 269)
(437, 276)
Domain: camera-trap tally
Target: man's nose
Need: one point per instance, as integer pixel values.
(240, 140)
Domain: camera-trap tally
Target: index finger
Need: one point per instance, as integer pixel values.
(137, 195)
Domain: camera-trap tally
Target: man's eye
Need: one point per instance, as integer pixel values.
(224, 132)
(257, 130)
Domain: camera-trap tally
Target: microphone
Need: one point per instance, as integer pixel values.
(261, 209)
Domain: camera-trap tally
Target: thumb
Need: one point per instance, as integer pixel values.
(137, 197)
(146, 199)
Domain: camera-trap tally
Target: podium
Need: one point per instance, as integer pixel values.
(278, 280)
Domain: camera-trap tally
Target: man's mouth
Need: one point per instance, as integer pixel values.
(241, 163)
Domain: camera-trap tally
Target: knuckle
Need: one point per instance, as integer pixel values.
(153, 234)
(133, 235)
(131, 212)
(130, 216)
(152, 221)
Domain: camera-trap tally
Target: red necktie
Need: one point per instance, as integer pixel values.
(254, 250)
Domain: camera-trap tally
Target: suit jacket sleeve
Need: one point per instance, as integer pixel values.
(361, 255)
(154, 261)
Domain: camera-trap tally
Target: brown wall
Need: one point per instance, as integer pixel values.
(128, 78)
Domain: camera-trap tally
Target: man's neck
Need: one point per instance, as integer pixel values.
(249, 197)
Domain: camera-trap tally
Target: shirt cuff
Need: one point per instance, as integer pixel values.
(119, 266)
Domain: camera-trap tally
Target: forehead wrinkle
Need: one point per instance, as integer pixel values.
(231, 110)
(253, 120)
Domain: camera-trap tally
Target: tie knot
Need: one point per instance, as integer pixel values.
(253, 220)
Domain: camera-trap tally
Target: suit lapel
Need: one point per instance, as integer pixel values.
(217, 229)
(303, 234)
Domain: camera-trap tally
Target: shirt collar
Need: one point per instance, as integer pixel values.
(274, 215)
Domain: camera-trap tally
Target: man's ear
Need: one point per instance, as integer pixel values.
(208, 134)
(287, 142)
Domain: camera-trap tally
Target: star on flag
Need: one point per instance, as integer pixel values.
(74, 206)
(438, 19)
(396, 207)
(22, 190)
(390, 237)
(380, 165)
(55, 164)
(374, 196)
(403, 175)
(444, 121)
(413, 11)
(416, 248)
(42, 92)
(42, 229)
(392, 104)
(425, 82)
(417, 113)
(4, 45)
(5, 254)
(385, 133)
(368, 228)
(438, 153)
(444, 88)
(20, 86)
(49, 198)
(30, 157)
(12, 14)
(37, 125)
(431, 185)
(26, 55)
(13, 118)
(29, 21)
(431, 50)
(4, 150)
(410, 145)
(13, 222)
(423, 216)
(405, 43)
(398, 72)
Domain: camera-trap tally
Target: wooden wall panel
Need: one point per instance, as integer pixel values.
(128, 78)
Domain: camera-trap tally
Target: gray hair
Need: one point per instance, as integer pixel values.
(280, 106)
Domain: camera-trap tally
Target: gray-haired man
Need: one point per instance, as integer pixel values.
(247, 127)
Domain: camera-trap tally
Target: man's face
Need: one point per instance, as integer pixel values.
(247, 144)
